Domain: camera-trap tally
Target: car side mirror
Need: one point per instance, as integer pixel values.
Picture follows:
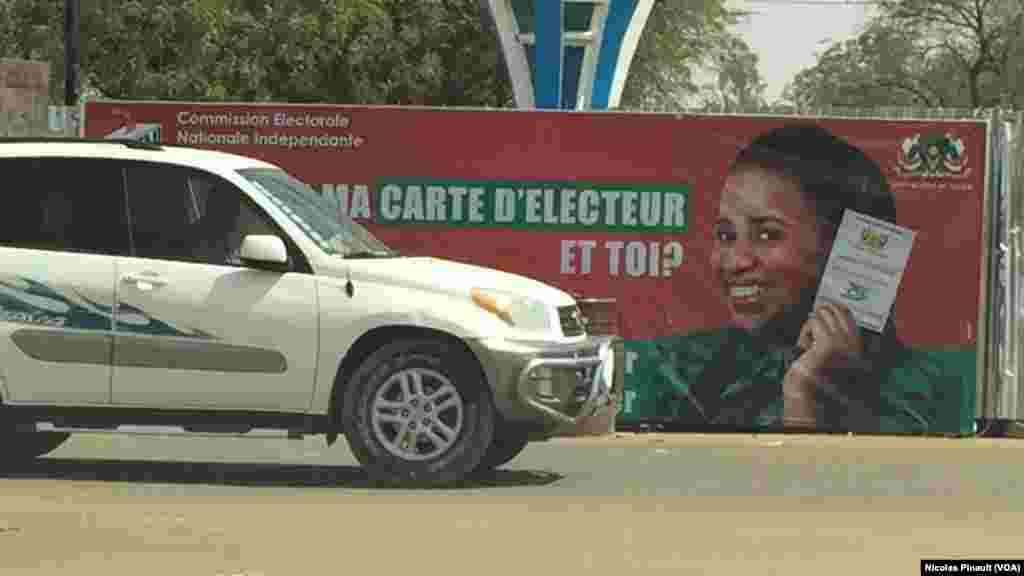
(264, 251)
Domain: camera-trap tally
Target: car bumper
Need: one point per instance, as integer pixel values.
(551, 384)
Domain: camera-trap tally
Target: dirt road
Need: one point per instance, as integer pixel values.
(694, 504)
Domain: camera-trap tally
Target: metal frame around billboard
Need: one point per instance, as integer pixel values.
(1012, 371)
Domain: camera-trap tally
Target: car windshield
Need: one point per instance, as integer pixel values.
(332, 230)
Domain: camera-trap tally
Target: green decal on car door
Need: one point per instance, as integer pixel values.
(87, 335)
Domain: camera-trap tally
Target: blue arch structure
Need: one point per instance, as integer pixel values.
(568, 54)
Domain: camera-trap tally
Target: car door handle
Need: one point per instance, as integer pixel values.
(145, 281)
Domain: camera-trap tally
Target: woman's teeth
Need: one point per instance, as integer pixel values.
(744, 291)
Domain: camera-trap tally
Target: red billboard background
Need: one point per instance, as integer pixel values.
(938, 298)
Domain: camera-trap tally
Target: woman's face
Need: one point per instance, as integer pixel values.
(769, 248)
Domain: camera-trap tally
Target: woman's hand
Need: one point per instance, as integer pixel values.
(831, 340)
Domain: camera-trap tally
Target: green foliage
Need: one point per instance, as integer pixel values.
(682, 40)
(737, 85)
(355, 51)
(34, 31)
(925, 53)
(427, 52)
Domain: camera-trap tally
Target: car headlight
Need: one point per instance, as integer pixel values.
(517, 311)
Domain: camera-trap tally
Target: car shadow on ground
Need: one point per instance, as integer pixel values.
(248, 474)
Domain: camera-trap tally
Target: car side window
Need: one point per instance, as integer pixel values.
(157, 209)
(183, 214)
(65, 204)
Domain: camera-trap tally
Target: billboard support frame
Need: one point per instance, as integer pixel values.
(1016, 295)
(986, 374)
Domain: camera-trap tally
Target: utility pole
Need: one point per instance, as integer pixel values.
(71, 52)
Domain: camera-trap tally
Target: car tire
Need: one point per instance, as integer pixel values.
(420, 412)
(508, 442)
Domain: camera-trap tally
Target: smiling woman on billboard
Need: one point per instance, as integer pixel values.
(781, 360)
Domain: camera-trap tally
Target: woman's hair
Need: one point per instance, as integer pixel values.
(833, 174)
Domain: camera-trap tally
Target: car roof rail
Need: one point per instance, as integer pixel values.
(127, 142)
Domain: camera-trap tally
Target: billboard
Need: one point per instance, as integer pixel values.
(711, 232)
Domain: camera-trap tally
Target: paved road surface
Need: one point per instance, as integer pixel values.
(691, 504)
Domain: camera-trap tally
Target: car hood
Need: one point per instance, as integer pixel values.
(447, 276)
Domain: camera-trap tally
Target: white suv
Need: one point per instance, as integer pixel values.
(149, 285)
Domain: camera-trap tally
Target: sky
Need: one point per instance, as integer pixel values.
(787, 34)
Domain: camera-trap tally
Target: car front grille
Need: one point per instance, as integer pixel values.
(571, 320)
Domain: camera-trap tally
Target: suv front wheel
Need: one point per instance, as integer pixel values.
(419, 411)
(509, 440)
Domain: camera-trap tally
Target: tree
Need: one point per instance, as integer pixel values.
(737, 85)
(143, 49)
(931, 53)
(34, 31)
(683, 41)
(355, 51)
(427, 52)
(881, 66)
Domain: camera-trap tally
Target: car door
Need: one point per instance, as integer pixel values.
(195, 328)
(61, 229)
